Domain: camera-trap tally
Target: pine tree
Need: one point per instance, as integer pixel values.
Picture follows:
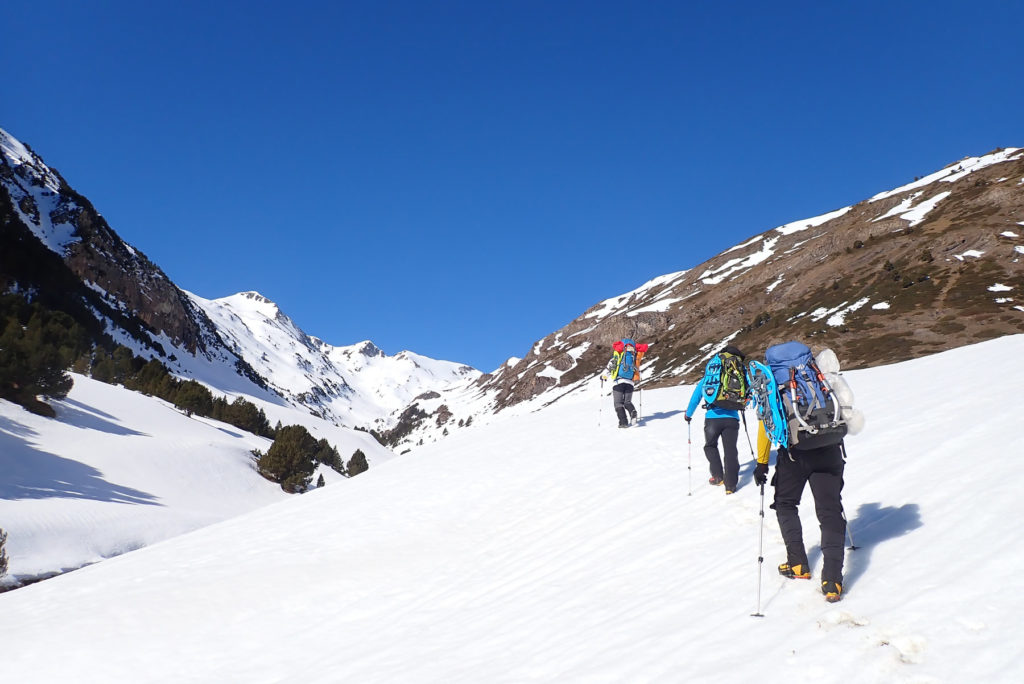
(289, 460)
(36, 349)
(357, 464)
(192, 397)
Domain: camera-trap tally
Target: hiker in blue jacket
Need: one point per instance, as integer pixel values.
(719, 423)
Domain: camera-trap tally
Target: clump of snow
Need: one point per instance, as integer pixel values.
(614, 304)
(836, 315)
(969, 253)
(880, 306)
(797, 226)
(917, 214)
(839, 318)
(914, 214)
(999, 287)
(734, 266)
(657, 306)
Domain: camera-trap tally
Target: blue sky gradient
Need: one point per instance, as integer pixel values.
(462, 178)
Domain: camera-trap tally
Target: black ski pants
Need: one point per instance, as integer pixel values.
(822, 467)
(728, 429)
(622, 398)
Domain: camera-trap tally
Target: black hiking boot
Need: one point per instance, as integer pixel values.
(799, 571)
(715, 481)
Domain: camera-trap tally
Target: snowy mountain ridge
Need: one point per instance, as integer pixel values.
(355, 385)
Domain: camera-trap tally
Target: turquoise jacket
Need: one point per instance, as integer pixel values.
(713, 412)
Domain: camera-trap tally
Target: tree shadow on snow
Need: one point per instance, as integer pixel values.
(28, 473)
(74, 413)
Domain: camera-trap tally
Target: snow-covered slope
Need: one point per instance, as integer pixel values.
(117, 470)
(549, 548)
(357, 385)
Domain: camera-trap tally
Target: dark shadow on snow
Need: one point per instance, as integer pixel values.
(28, 473)
(661, 415)
(873, 525)
(79, 415)
(86, 407)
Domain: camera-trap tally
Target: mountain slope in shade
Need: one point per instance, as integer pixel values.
(543, 549)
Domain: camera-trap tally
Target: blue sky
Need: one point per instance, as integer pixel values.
(462, 178)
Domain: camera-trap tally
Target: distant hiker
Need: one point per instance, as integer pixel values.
(624, 369)
(725, 390)
(803, 415)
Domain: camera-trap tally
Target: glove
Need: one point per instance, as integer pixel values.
(688, 418)
(760, 473)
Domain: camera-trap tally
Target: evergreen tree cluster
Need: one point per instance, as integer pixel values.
(153, 378)
(37, 346)
(293, 457)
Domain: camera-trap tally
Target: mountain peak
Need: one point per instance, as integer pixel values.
(368, 348)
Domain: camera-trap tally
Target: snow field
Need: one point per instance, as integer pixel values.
(543, 548)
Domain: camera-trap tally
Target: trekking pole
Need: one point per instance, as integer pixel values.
(849, 533)
(747, 433)
(760, 557)
(641, 415)
(600, 410)
(689, 461)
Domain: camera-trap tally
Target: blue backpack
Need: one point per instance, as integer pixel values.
(726, 385)
(793, 399)
(627, 362)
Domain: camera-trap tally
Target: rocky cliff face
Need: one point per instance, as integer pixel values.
(89, 271)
